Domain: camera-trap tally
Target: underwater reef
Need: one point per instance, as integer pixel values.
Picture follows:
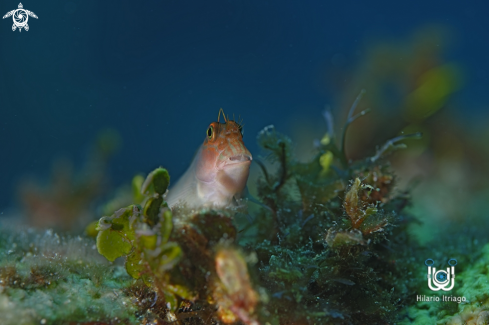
(326, 243)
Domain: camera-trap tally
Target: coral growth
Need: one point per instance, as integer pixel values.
(332, 258)
(48, 279)
(327, 244)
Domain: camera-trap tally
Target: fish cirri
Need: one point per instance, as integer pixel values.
(219, 170)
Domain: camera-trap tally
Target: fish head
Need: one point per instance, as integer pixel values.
(224, 156)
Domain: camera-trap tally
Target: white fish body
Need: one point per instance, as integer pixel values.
(218, 172)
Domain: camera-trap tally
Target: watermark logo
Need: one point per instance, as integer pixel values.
(20, 17)
(441, 279)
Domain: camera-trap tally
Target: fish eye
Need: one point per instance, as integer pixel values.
(210, 132)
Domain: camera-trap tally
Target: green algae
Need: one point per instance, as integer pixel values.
(141, 235)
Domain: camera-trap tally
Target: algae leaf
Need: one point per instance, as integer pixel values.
(134, 265)
(156, 182)
(116, 234)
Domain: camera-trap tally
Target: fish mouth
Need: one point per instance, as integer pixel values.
(237, 159)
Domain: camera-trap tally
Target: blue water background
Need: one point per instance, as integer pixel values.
(158, 71)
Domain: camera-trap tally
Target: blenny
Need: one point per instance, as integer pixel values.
(219, 170)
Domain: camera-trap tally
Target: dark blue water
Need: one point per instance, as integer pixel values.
(158, 71)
